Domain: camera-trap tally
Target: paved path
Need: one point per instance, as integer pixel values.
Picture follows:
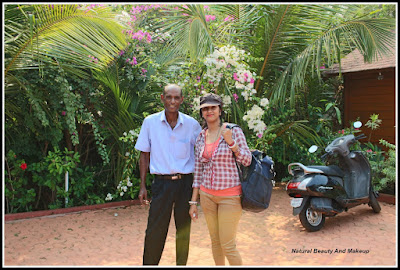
(114, 237)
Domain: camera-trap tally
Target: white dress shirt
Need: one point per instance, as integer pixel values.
(171, 150)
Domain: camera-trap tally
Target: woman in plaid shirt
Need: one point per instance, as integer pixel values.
(216, 179)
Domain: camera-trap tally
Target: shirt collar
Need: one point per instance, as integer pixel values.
(163, 118)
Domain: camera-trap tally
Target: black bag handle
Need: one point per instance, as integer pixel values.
(231, 126)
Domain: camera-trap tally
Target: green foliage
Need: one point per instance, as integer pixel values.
(19, 195)
(373, 123)
(388, 168)
(51, 171)
(58, 107)
(383, 165)
(94, 79)
(129, 186)
(41, 34)
(50, 174)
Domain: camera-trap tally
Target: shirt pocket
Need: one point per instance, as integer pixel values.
(182, 150)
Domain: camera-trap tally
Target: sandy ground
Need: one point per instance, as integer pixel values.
(114, 237)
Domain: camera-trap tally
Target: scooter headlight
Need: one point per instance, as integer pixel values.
(303, 184)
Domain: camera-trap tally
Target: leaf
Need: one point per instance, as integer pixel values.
(62, 34)
(338, 114)
(328, 106)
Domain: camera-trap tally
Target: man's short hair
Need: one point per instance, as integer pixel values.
(172, 85)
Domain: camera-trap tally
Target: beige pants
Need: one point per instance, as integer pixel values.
(222, 215)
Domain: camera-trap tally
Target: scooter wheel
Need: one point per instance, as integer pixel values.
(373, 202)
(310, 219)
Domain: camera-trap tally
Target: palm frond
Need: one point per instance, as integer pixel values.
(189, 32)
(326, 43)
(295, 130)
(272, 40)
(238, 24)
(45, 33)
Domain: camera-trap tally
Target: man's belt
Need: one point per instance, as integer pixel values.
(175, 176)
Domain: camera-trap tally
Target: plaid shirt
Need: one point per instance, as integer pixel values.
(220, 172)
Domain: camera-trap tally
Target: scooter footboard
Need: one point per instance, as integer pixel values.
(323, 205)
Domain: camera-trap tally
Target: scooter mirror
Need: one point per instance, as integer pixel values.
(357, 124)
(313, 149)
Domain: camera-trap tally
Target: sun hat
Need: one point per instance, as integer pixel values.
(210, 99)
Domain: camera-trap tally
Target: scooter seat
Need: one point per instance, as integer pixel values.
(332, 170)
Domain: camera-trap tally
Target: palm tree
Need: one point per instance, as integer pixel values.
(75, 38)
(299, 39)
(122, 107)
(66, 34)
(191, 37)
(293, 40)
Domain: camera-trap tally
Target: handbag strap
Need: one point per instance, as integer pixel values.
(234, 156)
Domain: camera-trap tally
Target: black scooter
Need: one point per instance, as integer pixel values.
(324, 191)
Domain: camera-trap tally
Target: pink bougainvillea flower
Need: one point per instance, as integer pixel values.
(210, 18)
(229, 18)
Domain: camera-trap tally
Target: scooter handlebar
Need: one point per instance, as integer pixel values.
(326, 155)
(359, 137)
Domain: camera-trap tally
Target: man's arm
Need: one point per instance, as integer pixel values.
(144, 162)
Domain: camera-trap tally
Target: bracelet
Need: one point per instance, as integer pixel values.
(193, 203)
(233, 145)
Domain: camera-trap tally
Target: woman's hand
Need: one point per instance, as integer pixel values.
(193, 212)
(227, 134)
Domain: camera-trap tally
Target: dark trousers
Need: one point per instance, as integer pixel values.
(168, 195)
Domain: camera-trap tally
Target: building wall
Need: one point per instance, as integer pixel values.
(365, 95)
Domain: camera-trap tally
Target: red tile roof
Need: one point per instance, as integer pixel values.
(354, 62)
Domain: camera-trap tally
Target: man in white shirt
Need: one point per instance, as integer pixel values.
(166, 142)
